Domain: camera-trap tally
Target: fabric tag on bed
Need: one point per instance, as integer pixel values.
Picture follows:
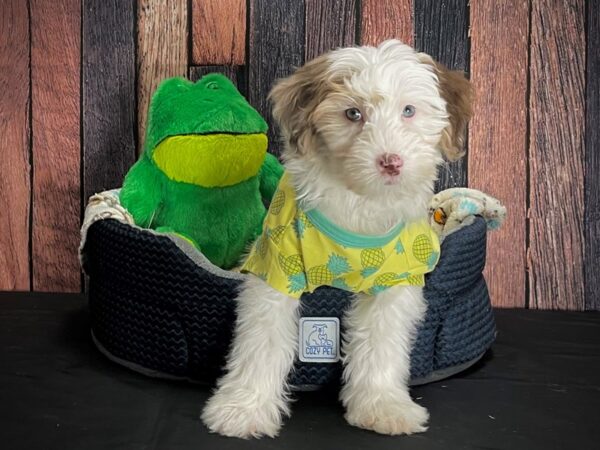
(319, 339)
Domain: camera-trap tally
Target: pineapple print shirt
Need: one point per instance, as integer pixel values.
(299, 251)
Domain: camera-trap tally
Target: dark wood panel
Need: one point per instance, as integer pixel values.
(329, 24)
(276, 46)
(498, 137)
(15, 182)
(592, 160)
(556, 154)
(162, 50)
(441, 31)
(55, 98)
(109, 109)
(219, 32)
(237, 74)
(385, 19)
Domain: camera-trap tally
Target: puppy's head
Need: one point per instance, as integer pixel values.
(377, 120)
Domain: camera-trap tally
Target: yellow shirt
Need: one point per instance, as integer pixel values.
(298, 251)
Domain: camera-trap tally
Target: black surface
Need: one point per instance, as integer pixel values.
(539, 389)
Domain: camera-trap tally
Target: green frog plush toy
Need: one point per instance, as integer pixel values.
(205, 169)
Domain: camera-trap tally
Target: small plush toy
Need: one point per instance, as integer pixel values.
(455, 208)
(205, 169)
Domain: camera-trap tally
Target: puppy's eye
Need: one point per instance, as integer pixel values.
(353, 114)
(409, 111)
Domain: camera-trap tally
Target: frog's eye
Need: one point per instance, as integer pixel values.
(212, 85)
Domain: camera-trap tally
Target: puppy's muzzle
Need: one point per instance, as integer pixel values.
(390, 164)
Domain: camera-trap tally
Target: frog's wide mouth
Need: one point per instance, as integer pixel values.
(211, 160)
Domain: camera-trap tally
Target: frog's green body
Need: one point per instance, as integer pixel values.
(205, 171)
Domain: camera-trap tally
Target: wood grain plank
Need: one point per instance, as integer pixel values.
(441, 30)
(219, 32)
(237, 74)
(329, 24)
(276, 46)
(55, 98)
(385, 19)
(15, 182)
(162, 49)
(498, 137)
(557, 111)
(592, 160)
(109, 107)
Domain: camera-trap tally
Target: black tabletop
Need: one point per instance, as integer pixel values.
(539, 388)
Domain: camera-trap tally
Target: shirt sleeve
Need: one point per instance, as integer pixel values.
(266, 262)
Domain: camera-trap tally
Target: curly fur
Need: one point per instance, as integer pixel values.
(334, 163)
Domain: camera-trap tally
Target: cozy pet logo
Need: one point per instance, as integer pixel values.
(319, 339)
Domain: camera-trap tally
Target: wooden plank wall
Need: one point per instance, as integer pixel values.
(109, 110)
(556, 154)
(219, 31)
(441, 30)
(15, 140)
(592, 159)
(498, 137)
(162, 49)
(55, 101)
(331, 24)
(382, 20)
(219, 45)
(275, 47)
(77, 77)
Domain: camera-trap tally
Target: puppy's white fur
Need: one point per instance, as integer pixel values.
(333, 165)
(252, 397)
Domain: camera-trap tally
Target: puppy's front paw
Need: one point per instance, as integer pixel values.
(387, 417)
(242, 415)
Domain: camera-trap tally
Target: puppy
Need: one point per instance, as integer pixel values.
(365, 130)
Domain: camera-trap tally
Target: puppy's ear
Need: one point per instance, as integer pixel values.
(295, 98)
(459, 95)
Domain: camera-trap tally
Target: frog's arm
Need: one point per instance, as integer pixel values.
(270, 173)
(142, 190)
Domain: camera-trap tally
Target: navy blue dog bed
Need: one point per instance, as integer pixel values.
(158, 310)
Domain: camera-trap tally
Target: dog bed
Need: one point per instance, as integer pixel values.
(158, 306)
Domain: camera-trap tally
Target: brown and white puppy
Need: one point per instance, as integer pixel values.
(364, 129)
